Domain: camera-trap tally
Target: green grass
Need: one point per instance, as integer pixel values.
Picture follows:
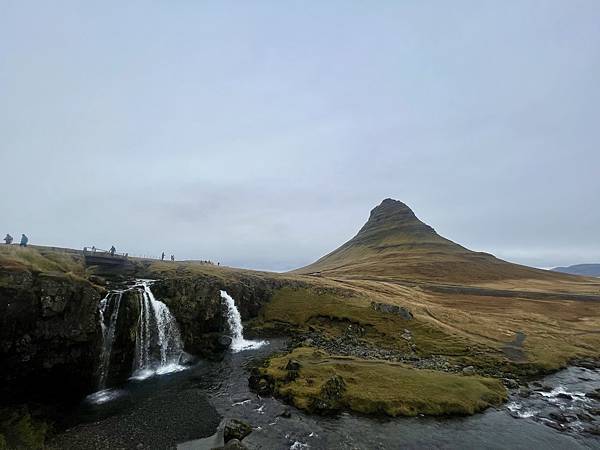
(40, 259)
(380, 387)
(301, 308)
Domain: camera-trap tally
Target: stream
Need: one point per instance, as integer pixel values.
(162, 411)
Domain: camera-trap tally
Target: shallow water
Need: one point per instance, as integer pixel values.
(523, 423)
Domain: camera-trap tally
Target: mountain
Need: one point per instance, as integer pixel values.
(589, 270)
(394, 243)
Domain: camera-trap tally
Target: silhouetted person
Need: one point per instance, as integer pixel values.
(94, 248)
(112, 251)
(172, 257)
(8, 239)
(24, 241)
(162, 258)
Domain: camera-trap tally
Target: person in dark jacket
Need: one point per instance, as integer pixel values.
(24, 241)
(8, 239)
(112, 251)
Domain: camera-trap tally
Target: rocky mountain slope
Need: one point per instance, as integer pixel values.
(394, 243)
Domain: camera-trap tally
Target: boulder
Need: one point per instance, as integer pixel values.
(234, 444)
(469, 370)
(392, 309)
(235, 429)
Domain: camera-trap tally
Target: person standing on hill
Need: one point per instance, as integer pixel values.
(112, 251)
(162, 258)
(8, 239)
(172, 257)
(24, 241)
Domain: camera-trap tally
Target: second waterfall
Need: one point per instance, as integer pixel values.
(234, 319)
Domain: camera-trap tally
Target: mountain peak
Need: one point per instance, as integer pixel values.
(393, 217)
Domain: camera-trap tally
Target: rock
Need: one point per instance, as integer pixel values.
(594, 411)
(525, 393)
(224, 341)
(469, 370)
(307, 342)
(510, 383)
(584, 417)
(392, 309)
(286, 413)
(563, 395)
(558, 417)
(330, 395)
(292, 364)
(234, 444)
(595, 395)
(595, 430)
(235, 429)
(545, 388)
(259, 383)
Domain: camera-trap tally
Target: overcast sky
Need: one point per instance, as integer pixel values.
(261, 133)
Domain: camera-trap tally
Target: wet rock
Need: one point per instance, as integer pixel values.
(595, 395)
(224, 341)
(594, 411)
(469, 370)
(286, 413)
(558, 417)
(564, 396)
(510, 383)
(545, 388)
(595, 430)
(235, 429)
(259, 383)
(525, 393)
(556, 426)
(392, 309)
(235, 444)
(584, 417)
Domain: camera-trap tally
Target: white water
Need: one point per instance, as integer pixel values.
(238, 343)
(111, 303)
(158, 346)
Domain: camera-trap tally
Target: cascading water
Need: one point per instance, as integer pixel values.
(108, 305)
(238, 343)
(158, 346)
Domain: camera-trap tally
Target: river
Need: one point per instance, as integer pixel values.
(184, 406)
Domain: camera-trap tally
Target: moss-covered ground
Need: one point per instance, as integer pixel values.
(378, 387)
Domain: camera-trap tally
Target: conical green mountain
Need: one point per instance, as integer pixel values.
(394, 243)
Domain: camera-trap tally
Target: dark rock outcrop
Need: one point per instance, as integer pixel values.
(49, 335)
(392, 309)
(200, 312)
(235, 429)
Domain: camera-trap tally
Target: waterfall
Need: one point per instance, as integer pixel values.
(158, 346)
(109, 305)
(238, 343)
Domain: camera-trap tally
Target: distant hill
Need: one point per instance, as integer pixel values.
(589, 270)
(394, 243)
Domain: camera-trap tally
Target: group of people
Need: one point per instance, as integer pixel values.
(9, 240)
(162, 258)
